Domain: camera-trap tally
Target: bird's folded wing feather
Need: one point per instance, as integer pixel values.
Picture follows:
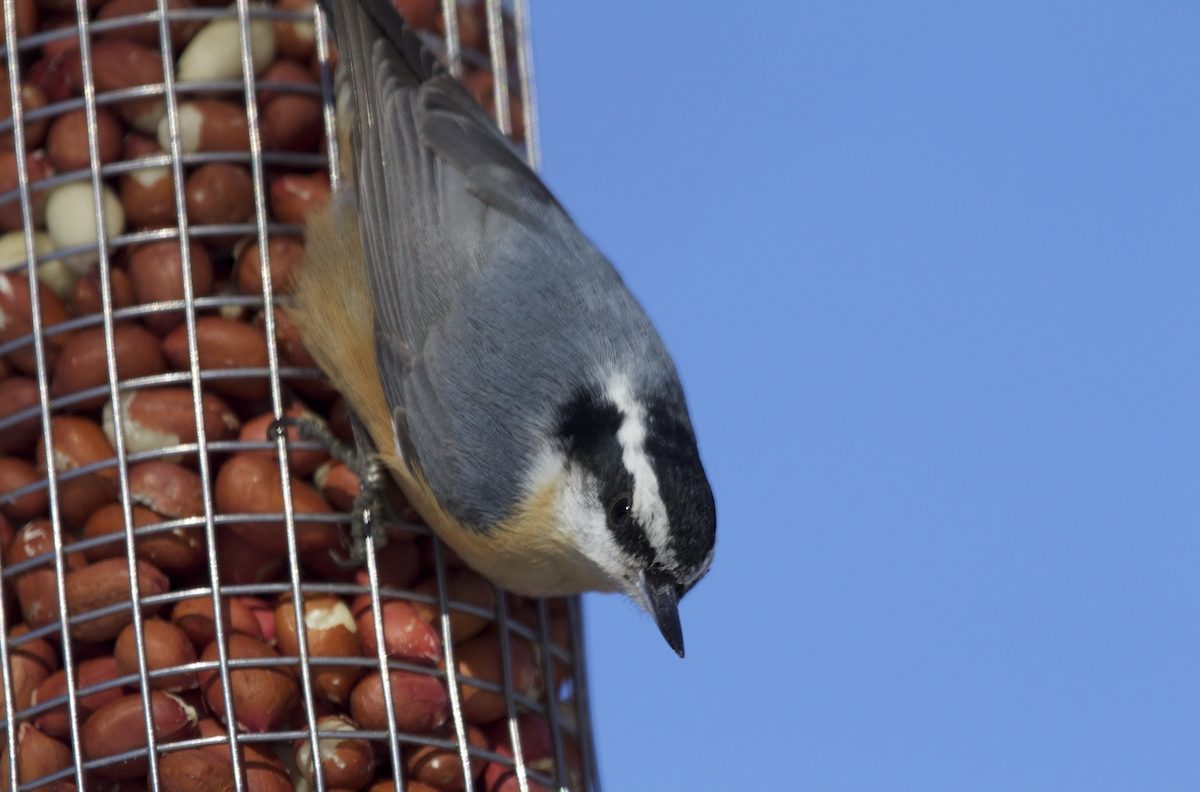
(442, 195)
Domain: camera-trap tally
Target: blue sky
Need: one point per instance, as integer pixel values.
(931, 274)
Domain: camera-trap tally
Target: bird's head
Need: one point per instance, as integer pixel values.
(634, 494)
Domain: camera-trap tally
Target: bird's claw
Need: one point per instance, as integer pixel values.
(370, 508)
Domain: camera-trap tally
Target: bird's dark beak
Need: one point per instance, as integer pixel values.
(660, 599)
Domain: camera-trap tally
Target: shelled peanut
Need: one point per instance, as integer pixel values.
(164, 425)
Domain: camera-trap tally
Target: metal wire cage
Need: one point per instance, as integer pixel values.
(173, 612)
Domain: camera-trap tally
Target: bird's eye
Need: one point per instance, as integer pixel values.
(618, 512)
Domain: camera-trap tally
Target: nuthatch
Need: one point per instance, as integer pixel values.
(509, 381)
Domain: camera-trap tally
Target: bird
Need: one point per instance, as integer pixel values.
(509, 382)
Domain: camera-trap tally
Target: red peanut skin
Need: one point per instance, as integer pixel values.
(57, 722)
(421, 703)
(263, 698)
(120, 726)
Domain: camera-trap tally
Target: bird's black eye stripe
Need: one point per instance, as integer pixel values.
(632, 539)
(618, 510)
(626, 530)
(587, 428)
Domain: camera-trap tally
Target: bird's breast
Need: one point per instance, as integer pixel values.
(530, 553)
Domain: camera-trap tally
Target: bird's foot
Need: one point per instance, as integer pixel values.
(371, 507)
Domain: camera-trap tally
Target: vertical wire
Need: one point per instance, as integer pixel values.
(328, 99)
(551, 693)
(453, 44)
(533, 151)
(499, 64)
(329, 112)
(203, 463)
(533, 155)
(587, 747)
(452, 684)
(514, 731)
(454, 59)
(260, 217)
(39, 352)
(384, 669)
(495, 25)
(10, 707)
(114, 389)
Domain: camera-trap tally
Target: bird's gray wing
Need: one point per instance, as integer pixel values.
(439, 190)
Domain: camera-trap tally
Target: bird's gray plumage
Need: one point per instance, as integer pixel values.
(477, 276)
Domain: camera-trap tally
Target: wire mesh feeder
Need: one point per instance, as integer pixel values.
(157, 165)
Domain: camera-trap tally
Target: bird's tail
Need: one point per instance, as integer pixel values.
(364, 30)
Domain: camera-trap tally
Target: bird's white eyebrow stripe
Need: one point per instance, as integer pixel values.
(648, 506)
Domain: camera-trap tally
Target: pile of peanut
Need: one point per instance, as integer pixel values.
(64, 510)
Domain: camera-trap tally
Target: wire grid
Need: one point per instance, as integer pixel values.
(502, 48)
